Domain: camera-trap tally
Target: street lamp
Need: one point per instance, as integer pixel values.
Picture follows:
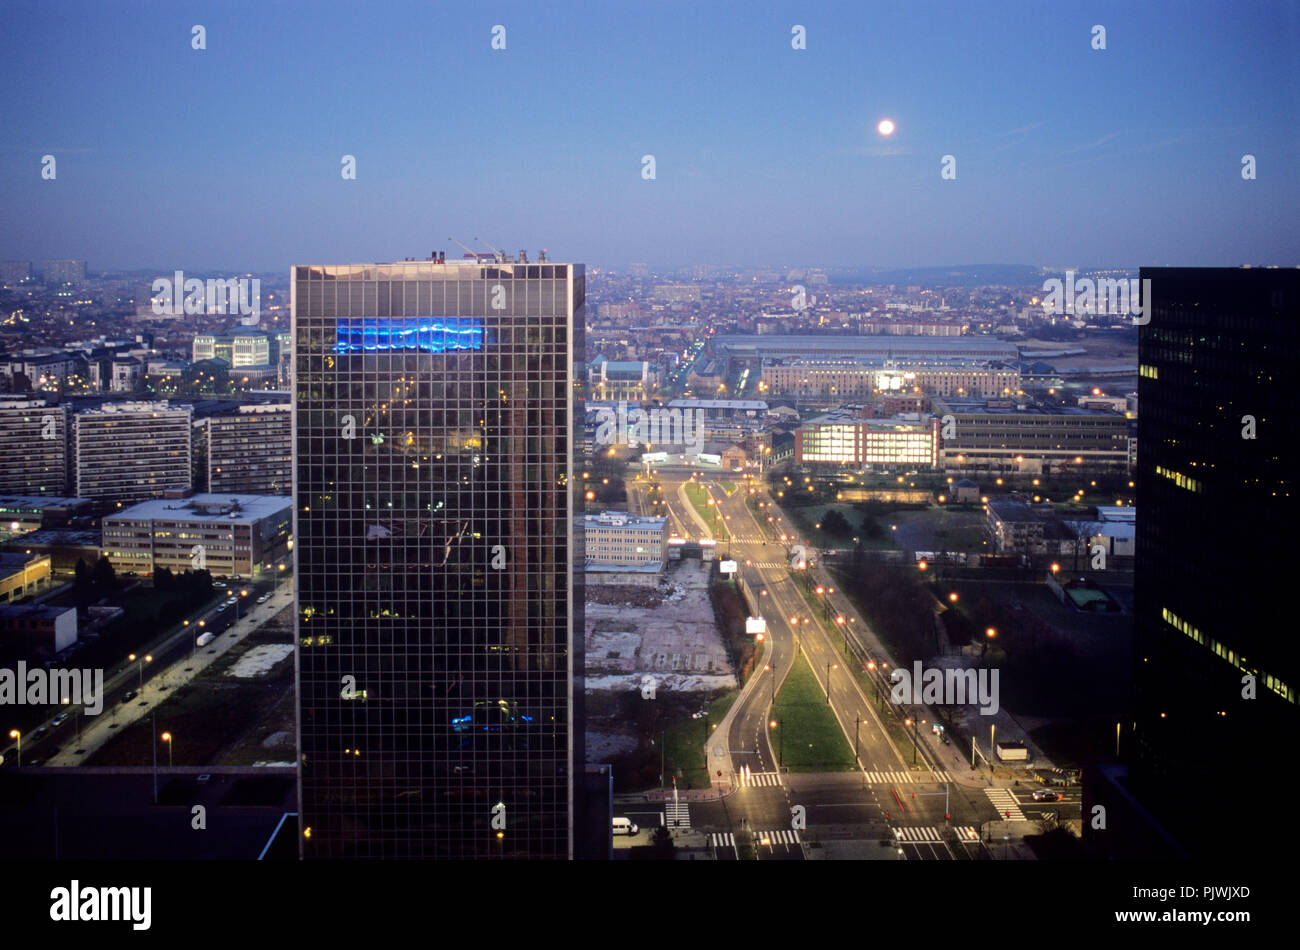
(15, 734)
(147, 658)
(780, 753)
(829, 667)
(909, 721)
(167, 738)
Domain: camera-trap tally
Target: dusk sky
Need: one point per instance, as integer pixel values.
(230, 157)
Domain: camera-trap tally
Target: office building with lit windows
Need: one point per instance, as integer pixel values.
(438, 557)
(843, 438)
(841, 378)
(226, 535)
(1217, 501)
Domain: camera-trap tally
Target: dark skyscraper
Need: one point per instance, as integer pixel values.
(1218, 501)
(439, 621)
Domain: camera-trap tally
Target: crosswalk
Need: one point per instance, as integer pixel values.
(933, 835)
(907, 778)
(1005, 803)
(771, 564)
(726, 839)
(784, 836)
(677, 815)
(747, 779)
(917, 835)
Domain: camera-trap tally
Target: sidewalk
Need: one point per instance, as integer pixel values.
(97, 730)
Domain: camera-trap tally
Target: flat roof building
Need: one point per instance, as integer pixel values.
(22, 575)
(873, 347)
(251, 450)
(33, 446)
(131, 451)
(848, 378)
(227, 535)
(20, 514)
(36, 631)
(1003, 437)
(845, 438)
(617, 539)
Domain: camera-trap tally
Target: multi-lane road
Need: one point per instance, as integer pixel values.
(911, 803)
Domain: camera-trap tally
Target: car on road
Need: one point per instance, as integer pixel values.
(128, 696)
(220, 585)
(59, 720)
(1047, 795)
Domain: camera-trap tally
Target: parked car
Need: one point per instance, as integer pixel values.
(39, 732)
(128, 696)
(625, 826)
(264, 598)
(59, 720)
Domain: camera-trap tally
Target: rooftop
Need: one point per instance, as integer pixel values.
(621, 519)
(34, 611)
(978, 407)
(754, 405)
(86, 537)
(40, 501)
(207, 507)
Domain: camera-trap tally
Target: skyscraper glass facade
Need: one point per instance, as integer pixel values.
(1217, 496)
(439, 612)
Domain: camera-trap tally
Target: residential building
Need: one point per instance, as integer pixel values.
(13, 273)
(62, 273)
(33, 446)
(130, 451)
(251, 450)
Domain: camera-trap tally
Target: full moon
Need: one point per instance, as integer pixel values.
(886, 127)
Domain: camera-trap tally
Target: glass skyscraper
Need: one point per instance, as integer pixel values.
(439, 612)
(1218, 441)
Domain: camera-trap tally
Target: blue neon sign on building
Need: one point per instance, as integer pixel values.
(405, 334)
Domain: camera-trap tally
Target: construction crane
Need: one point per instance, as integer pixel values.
(500, 257)
(468, 251)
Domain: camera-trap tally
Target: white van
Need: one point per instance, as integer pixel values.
(624, 826)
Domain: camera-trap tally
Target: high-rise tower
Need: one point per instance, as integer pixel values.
(439, 610)
(1217, 672)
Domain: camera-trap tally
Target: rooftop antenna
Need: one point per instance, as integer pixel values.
(500, 257)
